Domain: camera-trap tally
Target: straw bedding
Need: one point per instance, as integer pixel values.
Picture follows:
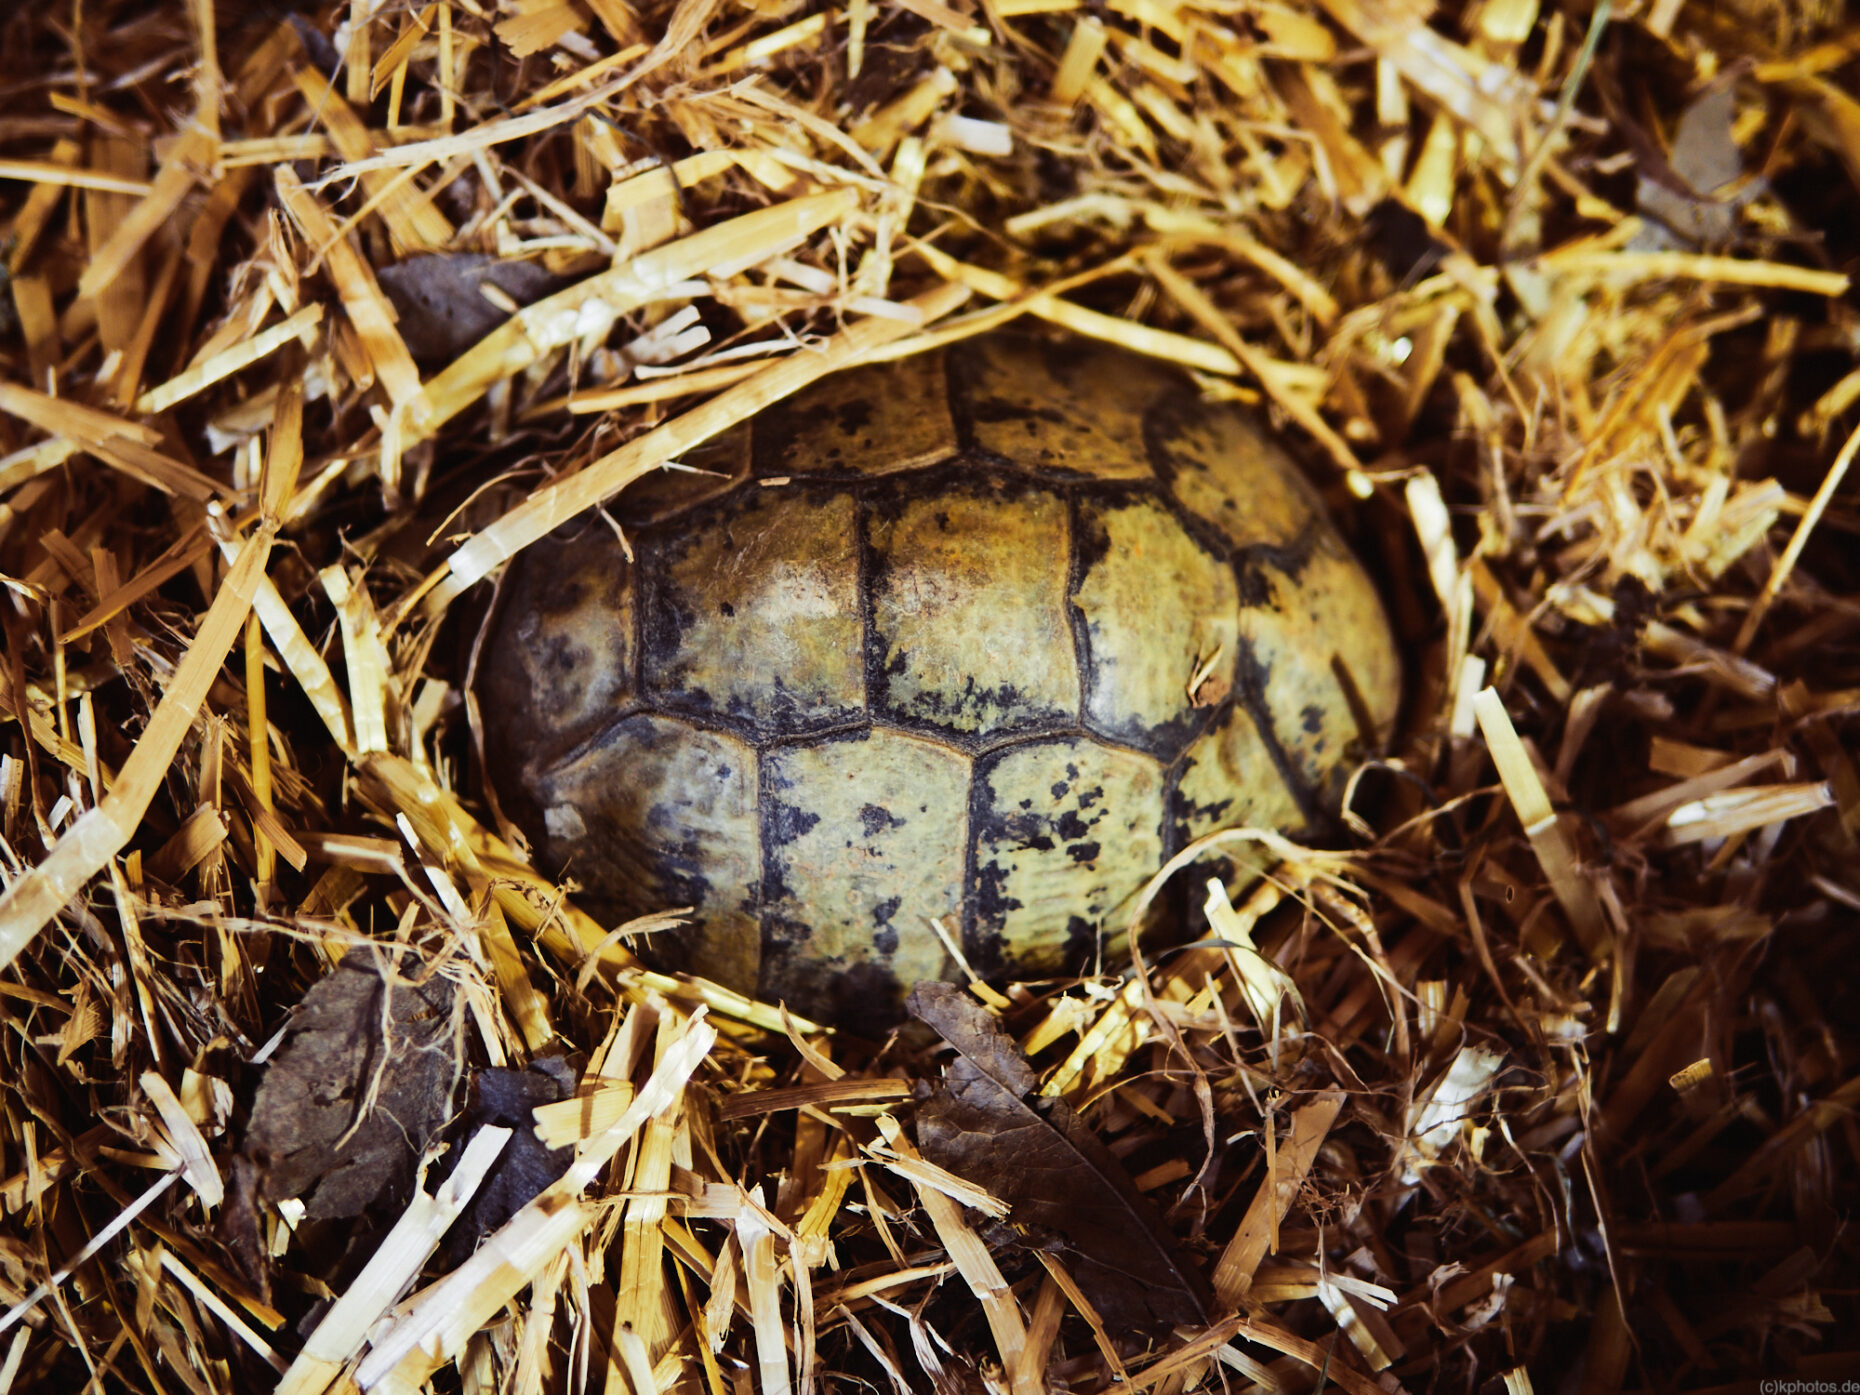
(1544, 1074)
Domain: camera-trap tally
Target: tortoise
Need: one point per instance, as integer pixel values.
(978, 637)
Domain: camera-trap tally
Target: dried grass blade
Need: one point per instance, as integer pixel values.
(822, 1095)
(1487, 96)
(594, 304)
(660, 389)
(85, 425)
(37, 211)
(89, 844)
(189, 549)
(534, 518)
(452, 836)
(1192, 227)
(971, 1258)
(440, 1322)
(27, 464)
(229, 361)
(47, 172)
(366, 658)
(1816, 1117)
(367, 308)
(1205, 313)
(1313, 1354)
(1743, 811)
(398, 52)
(196, 1157)
(412, 221)
(91, 1247)
(528, 1008)
(344, 1329)
(640, 1294)
(762, 1280)
(222, 1310)
(1082, 1305)
(1655, 266)
(1311, 1125)
(304, 662)
(127, 445)
(179, 171)
(1634, 816)
(442, 148)
(1549, 839)
(1797, 541)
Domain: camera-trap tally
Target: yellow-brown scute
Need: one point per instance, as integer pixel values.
(925, 653)
(968, 611)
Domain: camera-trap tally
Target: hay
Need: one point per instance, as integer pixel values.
(1549, 1075)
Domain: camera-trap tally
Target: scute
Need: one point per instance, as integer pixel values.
(1155, 605)
(1224, 470)
(705, 472)
(756, 616)
(865, 838)
(1319, 612)
(659, 814)
(1076, 408)
(571, 664)
(1066, 832)
(880, 421)
(968, 597)
(1228, 779)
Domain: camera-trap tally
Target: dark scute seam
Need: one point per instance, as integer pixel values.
(1288, 559)
(956, 371)
(1250, 688)
(1173, 840)
(868, 620)
(1076, 567)
(546, 762)
(1172, 738)
(970, 932)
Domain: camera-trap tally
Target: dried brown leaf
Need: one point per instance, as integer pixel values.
(359, 1089)
(1067, 1191)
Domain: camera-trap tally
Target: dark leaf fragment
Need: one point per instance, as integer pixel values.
(1402, 241)
(1698, 195)
(442, 309)
(985, 1123)
(360, 1088)
(505, 1098)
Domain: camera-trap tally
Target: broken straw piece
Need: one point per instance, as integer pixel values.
(1549, 839)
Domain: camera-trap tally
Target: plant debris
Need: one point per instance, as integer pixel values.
(506, 1098)
(444, 302)
(985, 1122)
(359, 1089)
(1542, 1073)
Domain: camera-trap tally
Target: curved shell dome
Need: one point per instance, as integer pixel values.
(919, 645)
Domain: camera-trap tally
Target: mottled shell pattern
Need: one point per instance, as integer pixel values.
(920, 647)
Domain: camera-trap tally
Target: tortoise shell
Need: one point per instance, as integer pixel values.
(979, 637)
